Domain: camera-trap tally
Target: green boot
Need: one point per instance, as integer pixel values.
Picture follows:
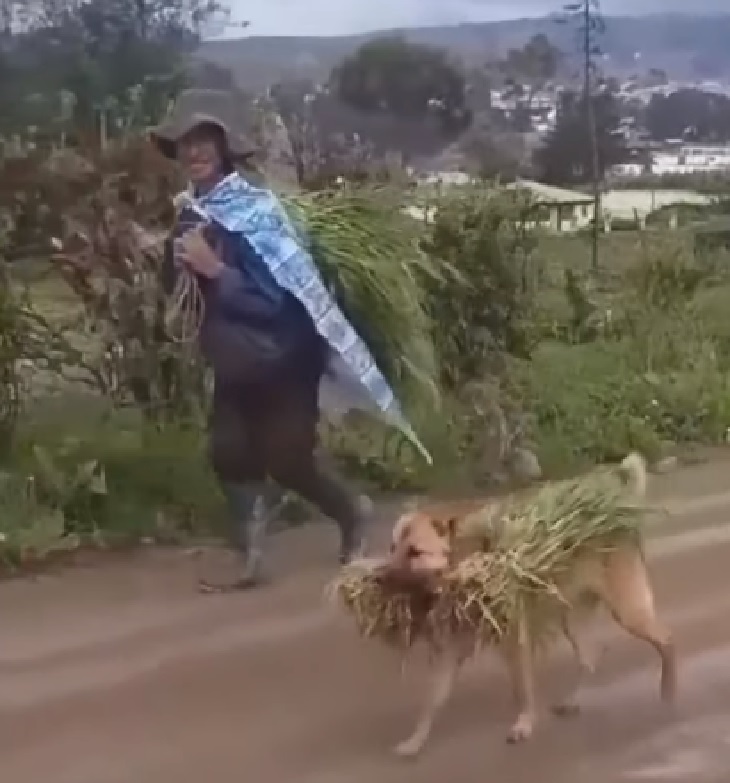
(251, 508)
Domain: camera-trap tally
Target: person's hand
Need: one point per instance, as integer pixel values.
(197, 254)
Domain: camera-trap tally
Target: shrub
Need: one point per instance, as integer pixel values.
(595, 402)
(113, 470)
(26, 340)
(110, 254)
(30, 530)
(485, 302)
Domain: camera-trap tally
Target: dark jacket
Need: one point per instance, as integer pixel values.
(252, 328)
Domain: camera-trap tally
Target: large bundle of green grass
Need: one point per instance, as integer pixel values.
(535, 539)
(367, 251)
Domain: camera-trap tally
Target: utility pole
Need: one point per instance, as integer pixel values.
(587, 14)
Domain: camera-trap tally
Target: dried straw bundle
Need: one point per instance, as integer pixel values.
(534, 539)
(396, 618)
(467, 603)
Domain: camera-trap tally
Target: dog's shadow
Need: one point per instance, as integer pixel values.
(480, 715)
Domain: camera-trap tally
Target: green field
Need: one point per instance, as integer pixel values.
(644, 371)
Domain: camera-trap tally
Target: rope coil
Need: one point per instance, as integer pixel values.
(186, 308)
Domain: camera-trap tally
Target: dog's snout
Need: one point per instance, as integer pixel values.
(380, 573)
(393, 571)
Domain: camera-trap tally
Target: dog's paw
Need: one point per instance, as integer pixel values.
(669, 688)
(569, 709)
(521, 731)
(409, 749)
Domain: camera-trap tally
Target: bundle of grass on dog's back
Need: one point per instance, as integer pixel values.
(535, 539)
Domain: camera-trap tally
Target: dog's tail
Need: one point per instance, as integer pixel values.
(635, 473)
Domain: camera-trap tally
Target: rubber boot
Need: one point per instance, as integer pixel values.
(353, 543)
(252, 538)
(250, 507)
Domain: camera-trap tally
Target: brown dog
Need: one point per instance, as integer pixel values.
(427, 542)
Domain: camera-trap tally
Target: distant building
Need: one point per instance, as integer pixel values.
(627, 170)
(671, 157)
(712, 235)
(630, 90)
(637, 205)
(691, 159)
(559, 210)
(447, 178)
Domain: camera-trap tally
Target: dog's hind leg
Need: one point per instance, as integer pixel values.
(585, 661)
(628, 595)
(439, 693)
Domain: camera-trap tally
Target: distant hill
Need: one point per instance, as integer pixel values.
(686, 46)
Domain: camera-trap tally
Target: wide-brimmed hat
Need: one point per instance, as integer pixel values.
(195, 107)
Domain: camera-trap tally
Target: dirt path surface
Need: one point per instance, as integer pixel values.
(123, 674)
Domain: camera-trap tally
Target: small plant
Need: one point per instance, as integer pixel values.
(77, 489)
(582, 321)
(30, 531)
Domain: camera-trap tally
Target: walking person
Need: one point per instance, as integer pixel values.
(276, 341)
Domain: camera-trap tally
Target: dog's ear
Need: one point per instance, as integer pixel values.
(446, 527)
(451, 525)
(402, 524)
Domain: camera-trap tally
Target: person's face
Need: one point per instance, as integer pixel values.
(199, 153)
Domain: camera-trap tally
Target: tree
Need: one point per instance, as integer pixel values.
(529, 69)
(691, 114)
(147, 17)
(521, 75)
(391, 76)
(569, 156)
(491, 153)
(479, 84)
(292, 101)
(325, 142)
(101, 51)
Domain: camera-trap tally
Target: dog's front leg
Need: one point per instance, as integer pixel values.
(441, 688)
(585, 660)
(520, 660)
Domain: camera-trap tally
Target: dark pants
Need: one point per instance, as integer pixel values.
(269, 430)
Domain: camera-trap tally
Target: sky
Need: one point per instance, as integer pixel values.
(343, 17)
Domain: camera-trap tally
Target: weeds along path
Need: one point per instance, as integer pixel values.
(122, 674)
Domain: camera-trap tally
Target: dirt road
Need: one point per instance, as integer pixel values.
(123, 674)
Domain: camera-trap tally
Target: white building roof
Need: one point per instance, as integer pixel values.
(627, 204)
(548, 194)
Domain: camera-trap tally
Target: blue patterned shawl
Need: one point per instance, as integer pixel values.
(352, 378)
